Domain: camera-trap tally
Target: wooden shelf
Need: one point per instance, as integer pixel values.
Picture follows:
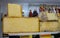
(40, 33)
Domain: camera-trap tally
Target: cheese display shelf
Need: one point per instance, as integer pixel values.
(37, 33)
(15, 24)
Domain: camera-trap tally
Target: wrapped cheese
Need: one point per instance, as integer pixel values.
(52, 16)
(48, 26)
(17, 25)
(14, 10)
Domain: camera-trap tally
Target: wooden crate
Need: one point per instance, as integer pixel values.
(17, 25)
(14, 10)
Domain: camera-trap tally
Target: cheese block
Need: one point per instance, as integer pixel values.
(14, 10)
(17, 25)
(48, 26)
(46, 36)
(52, 16)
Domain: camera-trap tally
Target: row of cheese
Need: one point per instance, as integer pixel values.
(48, 16)
(19, 25)
(15, 10)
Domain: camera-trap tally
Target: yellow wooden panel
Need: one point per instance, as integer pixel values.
(14, 10)
(46, 36)
(48, 26)
(20, 25)
(52, 16)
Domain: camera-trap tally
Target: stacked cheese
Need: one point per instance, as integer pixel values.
(14, 23)
(48, 26)
(51, 25)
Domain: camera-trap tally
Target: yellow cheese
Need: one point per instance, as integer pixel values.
(48, 26)
(43, 26)
(26, 36)
(20, 25)
(14, 10)
(46, 36)
(52, 16)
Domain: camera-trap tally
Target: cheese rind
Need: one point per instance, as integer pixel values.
(20, 25)
(14, 10)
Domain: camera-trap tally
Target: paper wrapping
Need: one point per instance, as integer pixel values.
(14, 10)
(20, 25)
(52, 16)
(48, 26)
